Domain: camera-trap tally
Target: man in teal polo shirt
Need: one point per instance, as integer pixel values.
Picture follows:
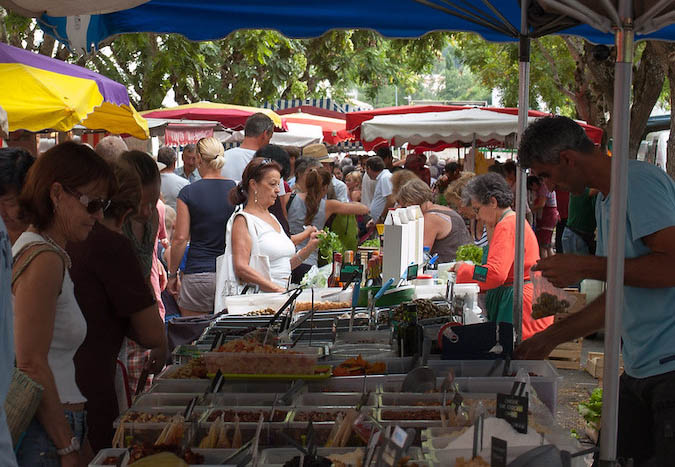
(558, 150)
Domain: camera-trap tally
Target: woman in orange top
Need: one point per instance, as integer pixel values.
(491, 199)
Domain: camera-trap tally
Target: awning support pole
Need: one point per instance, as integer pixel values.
(521, 175)
(617, 236)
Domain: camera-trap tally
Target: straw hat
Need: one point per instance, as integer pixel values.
(317, 152)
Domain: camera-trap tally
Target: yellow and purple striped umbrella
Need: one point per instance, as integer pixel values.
(42, 93)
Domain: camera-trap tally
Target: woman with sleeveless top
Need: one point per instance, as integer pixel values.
(444, 229)
(255, 229)
(311, 208)
(65, 193)
(202, 212)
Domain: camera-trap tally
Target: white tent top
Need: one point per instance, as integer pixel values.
(69, 7)
(298, 134)
(435, 127)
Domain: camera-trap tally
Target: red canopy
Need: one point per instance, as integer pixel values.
(355, 119)
(230, 116)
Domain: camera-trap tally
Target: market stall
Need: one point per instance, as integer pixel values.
(602, 22)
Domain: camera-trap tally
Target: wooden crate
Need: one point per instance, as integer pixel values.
(567, 356)
(595, 364)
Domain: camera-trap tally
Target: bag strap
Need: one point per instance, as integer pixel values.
(290, 200)
(41, 247)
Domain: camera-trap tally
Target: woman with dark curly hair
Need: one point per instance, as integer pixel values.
(490, 197)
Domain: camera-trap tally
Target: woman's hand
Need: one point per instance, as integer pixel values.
(313, 242)
(173, 286)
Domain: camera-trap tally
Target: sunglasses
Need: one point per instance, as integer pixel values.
(92, 205)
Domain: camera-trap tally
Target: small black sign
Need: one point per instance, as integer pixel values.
(480, 273)
(498, 453)
(513, 409)
(412, 272)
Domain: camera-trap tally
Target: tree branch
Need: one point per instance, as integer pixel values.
(556, 73)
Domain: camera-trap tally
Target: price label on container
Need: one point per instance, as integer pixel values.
(513, 409)
(498, 452)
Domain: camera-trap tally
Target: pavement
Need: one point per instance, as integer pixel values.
(576, 386)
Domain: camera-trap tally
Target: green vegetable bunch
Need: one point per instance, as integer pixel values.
(372, 243)
(591, 409)
(329, 242)
(470, 252)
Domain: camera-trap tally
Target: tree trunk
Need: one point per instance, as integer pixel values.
(647, 86)
(669, 64)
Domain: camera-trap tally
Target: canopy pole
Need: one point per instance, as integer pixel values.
(521, 175)
(617, 236)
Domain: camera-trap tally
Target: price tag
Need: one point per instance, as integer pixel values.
(399, 437)
(498, 453)
(396, 442)
(412, 272)
(480, 273)
(513, 409)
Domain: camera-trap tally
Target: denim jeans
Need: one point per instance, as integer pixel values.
(37, 448)
(573, 243)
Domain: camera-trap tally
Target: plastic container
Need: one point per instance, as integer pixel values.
(242, 304)
(260, 363)
(167, 412)
(332, 399)
(179, 385)
(347, 384)
(246, 414)
(219, 400)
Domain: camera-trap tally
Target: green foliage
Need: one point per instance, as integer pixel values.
(496, 65)
(470, 252)
(329, 242)
(372, 243)
(591, 409)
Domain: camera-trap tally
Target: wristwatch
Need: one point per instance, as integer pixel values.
(74, 446)
(171, 275)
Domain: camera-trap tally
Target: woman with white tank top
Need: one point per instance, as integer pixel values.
(258, 191)
(64, 195)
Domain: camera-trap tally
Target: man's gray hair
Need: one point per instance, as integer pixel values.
(544, 139)
(111, 148)
(190, 148)
(166, 155)
(484, 187)
(257, 124)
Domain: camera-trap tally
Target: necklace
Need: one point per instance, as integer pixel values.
(504, 215)
(63, 252)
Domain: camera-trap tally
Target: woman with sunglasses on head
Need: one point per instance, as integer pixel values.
(256, 229)
(116, 301)
(202, 211)
(491, 198)
(64, 195)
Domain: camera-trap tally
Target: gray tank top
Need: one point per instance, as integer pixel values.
(296, 220)
(459, 235)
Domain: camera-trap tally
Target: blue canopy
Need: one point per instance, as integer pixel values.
(495, 20)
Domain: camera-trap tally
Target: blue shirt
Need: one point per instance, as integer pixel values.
(648, 318)
(6, 343)
(194, 176)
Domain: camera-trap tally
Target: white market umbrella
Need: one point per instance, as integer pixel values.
(441, 127)
(298, 134)
(36, 8)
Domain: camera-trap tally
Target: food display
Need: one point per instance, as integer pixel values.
(140, 451)
(321, 306)
(243, 356)
(171, 435)
(358, 366)
(548, 305)
(145, 417)
(194, 369)
(317, 416)
(476, 462)
(411, 414)
(263, 312)
(217, 437)
(426, 309)
(246, 416)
